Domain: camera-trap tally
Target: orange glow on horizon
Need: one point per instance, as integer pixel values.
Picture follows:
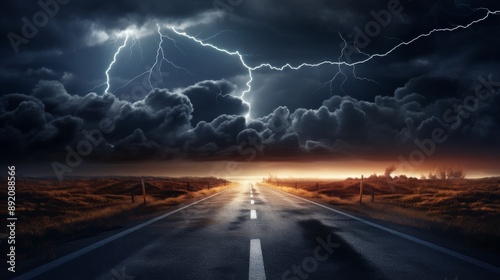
(259, 169)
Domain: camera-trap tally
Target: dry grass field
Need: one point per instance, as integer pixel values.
(51, 213)
(467, 209)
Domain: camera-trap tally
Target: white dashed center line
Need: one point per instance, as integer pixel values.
(253, 214)
(256, 269)
(252, 201)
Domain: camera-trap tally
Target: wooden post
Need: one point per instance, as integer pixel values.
(361, 191)
(187, 187)
(373, 194)
(143, 190)
(132, 194)
(208, 185)
(295, 184)
(317, 189)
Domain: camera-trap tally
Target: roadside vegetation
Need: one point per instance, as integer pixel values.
(467, 209)
(52, 213)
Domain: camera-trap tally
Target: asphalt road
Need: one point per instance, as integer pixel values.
(283, 238)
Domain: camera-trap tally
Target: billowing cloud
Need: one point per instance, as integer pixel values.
(211, 99)
(47, 122)
(190, 105)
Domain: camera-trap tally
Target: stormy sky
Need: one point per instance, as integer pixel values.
(185, 83)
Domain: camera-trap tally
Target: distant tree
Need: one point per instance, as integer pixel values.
(447, 172)
(440, 172)
(373, 176)
(432, 176)
(422, 177)
(455, 173)
(389, 170)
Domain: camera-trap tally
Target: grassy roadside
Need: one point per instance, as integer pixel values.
(50, 214)
(476, 227)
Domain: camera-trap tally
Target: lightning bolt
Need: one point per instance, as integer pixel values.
(341, 72)
(217, 34)
(134, 41)
(160, 57)
(231, 53)
(114, 61)
(175, 42)
(437, 30)
(339, 63)
(376, 55)
(339, 66)
(157, 65)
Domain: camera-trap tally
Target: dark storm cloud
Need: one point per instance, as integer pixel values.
(50, 120)
(274, 32)
(211, 99)
(71, 22)
(295, 113)
(44, 123)
(308, 32)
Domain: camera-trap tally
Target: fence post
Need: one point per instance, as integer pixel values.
(373, 194)
(317, 189)
(361, 191)
(132, 194)
(296, 185)
(143, 190)
(187, 186)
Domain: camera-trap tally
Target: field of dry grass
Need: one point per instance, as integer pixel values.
(468, 209)
(51, 213)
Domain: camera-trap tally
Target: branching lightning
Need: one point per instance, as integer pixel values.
(231, 53)
(161, 57)
(157, 65)
(114, 61)
(376, 55)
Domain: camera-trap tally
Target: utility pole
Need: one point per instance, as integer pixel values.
(361, 191)
(143, 190)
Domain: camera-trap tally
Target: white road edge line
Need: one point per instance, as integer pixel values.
(53, 264)
(256, 268)
(253, 214)
(252, 201)
(251, 195)
(408, 237)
